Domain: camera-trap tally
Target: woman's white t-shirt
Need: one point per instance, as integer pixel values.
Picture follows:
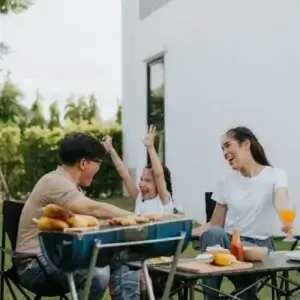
(250, 201)
(153, 206)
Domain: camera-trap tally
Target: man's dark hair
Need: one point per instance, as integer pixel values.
(77, 146)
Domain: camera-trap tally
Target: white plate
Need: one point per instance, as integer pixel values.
(205, 257)
(293, 255)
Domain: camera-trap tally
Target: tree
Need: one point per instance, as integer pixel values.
(54, 120)
(3, 50)
(119, 114)
(16, 6)
(36, 112)
(11, 110)
(75, 110)
(91, 112)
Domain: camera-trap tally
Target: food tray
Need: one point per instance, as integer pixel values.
(293, 255)
(73, 250)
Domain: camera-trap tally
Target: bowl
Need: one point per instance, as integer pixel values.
(255, 253)
(205, 257)
(216, 249)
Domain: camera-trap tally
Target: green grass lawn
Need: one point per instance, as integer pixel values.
(227, 286)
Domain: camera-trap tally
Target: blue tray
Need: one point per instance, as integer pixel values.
(70, 251)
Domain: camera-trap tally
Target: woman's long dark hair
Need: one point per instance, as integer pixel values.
(241, 134)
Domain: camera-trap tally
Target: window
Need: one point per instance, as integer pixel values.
(156, 102)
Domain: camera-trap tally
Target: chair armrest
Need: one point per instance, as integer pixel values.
(7, 251)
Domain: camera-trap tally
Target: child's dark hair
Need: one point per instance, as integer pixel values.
(167, 175)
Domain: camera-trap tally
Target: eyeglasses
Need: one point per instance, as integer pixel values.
(97, 160)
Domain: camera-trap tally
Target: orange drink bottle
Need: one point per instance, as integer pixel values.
(236, 247)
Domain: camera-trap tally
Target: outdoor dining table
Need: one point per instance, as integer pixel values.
(275, 266)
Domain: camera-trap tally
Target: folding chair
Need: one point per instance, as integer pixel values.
(11, 213)
(210, 205)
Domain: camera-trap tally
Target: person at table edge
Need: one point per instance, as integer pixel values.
(81, 156)
(247, 199)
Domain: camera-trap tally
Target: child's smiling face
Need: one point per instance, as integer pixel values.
(147, 184)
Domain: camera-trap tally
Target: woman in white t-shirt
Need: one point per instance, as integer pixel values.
(153, 194)
(248, 199)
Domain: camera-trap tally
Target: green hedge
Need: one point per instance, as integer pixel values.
(27, 156)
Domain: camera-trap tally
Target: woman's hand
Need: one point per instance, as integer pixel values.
(148, 141)
(107, 142)
(287, 229)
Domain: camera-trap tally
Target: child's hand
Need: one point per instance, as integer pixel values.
(148, 141)
(107, 142)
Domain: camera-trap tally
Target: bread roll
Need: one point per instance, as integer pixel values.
(49, 224)
(92, 221)
(79, 222)
(57, 212)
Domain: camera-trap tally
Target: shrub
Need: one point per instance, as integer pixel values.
(27, 157)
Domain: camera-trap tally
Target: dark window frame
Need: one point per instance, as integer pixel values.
(158, 60)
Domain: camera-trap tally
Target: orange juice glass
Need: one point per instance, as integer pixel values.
(288, 216)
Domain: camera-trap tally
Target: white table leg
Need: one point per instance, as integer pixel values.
(72, 286)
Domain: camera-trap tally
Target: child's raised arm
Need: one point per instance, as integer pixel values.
(157, 168)
(123, 171)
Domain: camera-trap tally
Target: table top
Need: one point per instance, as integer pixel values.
(274, 262)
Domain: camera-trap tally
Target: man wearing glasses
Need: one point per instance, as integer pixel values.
(81, 156)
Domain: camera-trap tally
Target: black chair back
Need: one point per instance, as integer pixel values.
(11, 213)
(209, 205)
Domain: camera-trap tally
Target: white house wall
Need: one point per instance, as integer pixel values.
(227, 63)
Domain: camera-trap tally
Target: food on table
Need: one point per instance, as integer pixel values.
(128, 222)
(205, 257)
(153, 217)
(255, 253)
(57, 212)
(80, 222)
(142, 219)
(236, 247)
(91, 221)
(103, 223)
(122, 222)
(49, 224)
(59, 218)
(224, 259)
(216, 249)
(159, 260)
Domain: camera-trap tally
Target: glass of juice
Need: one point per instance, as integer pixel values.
(287, 216)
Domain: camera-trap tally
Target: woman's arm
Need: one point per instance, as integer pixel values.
(282, 202)
(157, 168)
(217, 219)
(281, 197)
(123, 171)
